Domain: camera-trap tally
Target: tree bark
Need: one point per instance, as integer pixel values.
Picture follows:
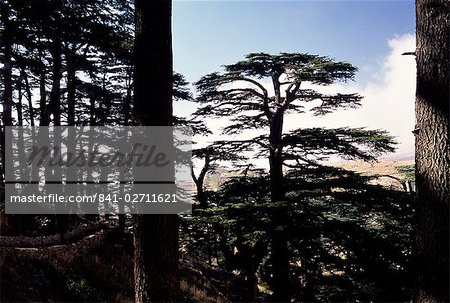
(71, 88)
(280, 253)
(42, 88)
(19, 102)
(54, 104)
(29, 97)
(200, 180)
(7, 65)
(7, 98)
(156, 236)
(432, 151)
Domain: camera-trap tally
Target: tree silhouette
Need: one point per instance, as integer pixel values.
(156, 236)
(239, 92)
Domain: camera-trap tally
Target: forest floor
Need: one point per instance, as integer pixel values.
(96, 268)
(97, 264)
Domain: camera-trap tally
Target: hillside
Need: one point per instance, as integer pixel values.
(387, 170)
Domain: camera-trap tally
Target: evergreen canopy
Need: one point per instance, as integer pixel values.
(240, 93)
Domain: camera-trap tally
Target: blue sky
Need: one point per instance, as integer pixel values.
(208, 34)
(371, 35)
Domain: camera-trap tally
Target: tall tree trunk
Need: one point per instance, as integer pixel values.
(156, 236)
(42, 92)
(7, 65)
(432, 150)
(19, 102)
(20, 141)
(200, 180)
(54, 104)
(29, 96)
(7, 97)
(92, 116)
(128, 98)
(71, 88)
(280, 254)
(71, 133)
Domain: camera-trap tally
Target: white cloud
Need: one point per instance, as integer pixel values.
(388, 101)
(388, 98)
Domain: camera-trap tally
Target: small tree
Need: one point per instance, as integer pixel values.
(349, 240)
(239, 92)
